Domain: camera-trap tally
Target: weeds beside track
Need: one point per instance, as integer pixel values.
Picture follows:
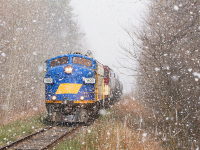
(116, 128)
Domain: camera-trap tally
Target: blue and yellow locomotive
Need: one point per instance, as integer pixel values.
(74, 87)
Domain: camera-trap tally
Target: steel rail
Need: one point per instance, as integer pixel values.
(24, 138)
(42, 139)
(59, 138)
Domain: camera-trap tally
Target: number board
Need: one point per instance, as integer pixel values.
(89, 80)
(48, 80)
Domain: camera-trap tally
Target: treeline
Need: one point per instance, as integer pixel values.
(31, 32)
(167, 51)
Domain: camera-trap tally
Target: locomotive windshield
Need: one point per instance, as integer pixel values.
(82, 61)
(59, 61)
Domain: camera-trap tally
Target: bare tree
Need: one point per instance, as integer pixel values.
(166, 49)
(31, 32)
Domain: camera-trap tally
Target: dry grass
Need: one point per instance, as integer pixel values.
(15, 125)
(130, 106)
(108, 134)
(21, 127)
(5, 119)
(133, 113)
(113, 130)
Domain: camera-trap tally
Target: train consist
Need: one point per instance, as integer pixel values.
(77, 86)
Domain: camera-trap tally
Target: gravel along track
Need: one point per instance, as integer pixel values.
(41, 140)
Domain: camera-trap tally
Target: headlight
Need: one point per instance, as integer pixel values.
(68, 70)
(53, 98)
(48, 80)
(81, 98)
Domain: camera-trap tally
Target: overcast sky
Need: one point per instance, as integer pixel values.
(101, 20)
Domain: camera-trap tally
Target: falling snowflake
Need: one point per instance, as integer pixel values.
(196, 74)
(64, 34)
(157, 69)
(102, 112)
(175, 78)
(144, 134)
(165, 54)
(40, 68)
(176, 7)
(3, 54)
(35, 108)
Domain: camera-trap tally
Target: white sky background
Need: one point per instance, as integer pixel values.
(101, 20)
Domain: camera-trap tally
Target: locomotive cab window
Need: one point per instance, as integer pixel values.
(82, 61)
(59, 61)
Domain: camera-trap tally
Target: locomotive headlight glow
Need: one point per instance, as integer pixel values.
(82, 98)
(53, 98)
(68, 69)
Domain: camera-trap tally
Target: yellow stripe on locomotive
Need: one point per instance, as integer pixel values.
(68, 88)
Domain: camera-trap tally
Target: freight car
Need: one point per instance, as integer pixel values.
(77, 86)
(113, 86)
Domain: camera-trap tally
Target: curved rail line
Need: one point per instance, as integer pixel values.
(42, 139)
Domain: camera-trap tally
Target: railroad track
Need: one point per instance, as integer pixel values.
(42, 139)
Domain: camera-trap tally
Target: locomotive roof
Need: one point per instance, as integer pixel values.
(69, 54)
